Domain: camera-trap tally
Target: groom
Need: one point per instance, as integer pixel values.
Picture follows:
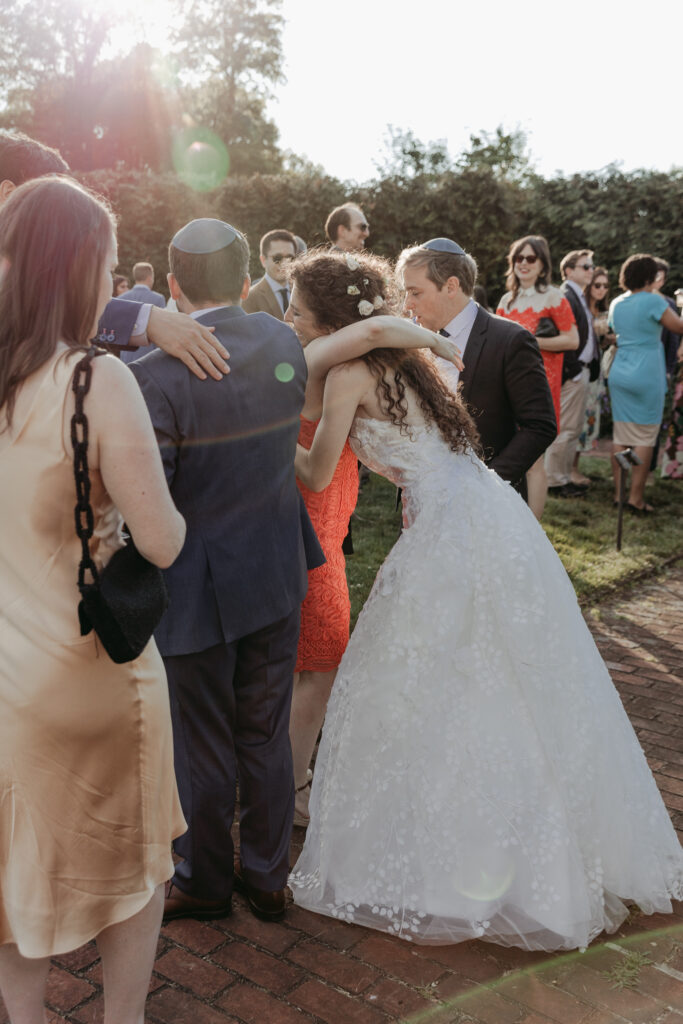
(230, 634)
(503, 383)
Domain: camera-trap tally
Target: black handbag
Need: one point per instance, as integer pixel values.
(124, 602)
(546, 328)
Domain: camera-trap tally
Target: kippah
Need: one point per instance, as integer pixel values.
(443, 245)
(204, 235)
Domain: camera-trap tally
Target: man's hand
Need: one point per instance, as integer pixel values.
(188, 340)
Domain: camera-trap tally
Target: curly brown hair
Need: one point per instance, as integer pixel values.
(324, 279)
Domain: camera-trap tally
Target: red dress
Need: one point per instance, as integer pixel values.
(326, 611)
(530, 307)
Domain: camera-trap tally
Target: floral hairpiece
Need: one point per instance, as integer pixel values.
(365, 308)
(351, 262)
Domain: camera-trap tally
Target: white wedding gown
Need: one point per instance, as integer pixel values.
(477, 775)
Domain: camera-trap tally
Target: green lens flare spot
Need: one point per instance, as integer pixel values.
(284, 372)
(200, 159)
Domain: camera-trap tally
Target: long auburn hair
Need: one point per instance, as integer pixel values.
(540, 246)
(54, 238)
(334, 285)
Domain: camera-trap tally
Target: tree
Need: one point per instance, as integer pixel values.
(407, 157)
(231, 57)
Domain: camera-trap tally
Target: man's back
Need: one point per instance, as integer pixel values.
(228, 449)
(143, 293)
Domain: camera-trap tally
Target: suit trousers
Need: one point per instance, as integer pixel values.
(230, 709)
(559, 458)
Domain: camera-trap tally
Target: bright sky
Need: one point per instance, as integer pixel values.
(590, 83)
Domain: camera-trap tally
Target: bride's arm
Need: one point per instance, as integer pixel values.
(345, 388)
(356, 340)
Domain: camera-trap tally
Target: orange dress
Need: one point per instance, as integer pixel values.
(326, 610)
(530, 307)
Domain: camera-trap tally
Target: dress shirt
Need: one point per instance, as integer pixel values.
(278, 289)
(458, 330)
(589, 350)
(196, 313)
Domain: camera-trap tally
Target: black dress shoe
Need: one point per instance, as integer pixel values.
(268, 906)
(180, 904)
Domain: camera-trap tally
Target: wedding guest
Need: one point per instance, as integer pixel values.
(532, 298)
(672, 462)
(597, 298)
(143, 276)
(503, 382)
(229, 636)
(347, 227)
(88, 802)
(120, 284)
(122, 323)
(271, 294)
(670, 340)
(637, 379)
(580, 367)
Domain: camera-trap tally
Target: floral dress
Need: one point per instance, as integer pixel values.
(531, 306)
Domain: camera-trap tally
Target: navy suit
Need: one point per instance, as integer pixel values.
(229, 636)
(141, 293)
(117, 322)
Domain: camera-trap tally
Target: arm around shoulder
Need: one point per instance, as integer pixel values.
(128, 458)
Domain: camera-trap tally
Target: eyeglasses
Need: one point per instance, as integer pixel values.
(600, 284)
(281, 259)
(526, 259)
(586, 266)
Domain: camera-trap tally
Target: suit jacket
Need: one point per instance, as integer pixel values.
(228, 451)
(141, 293)
(262, 299)
(572, 365)
(506, 389)
(117, 322)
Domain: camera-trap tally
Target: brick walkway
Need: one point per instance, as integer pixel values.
(310, 969)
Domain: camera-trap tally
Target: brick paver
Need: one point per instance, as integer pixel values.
(312, 970)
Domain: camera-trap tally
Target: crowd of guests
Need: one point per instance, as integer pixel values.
(258, 621)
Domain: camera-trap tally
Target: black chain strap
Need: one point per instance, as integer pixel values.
(83, 513)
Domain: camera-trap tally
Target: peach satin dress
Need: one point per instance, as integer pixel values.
(88, 801)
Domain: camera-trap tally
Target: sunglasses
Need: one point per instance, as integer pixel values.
(281, 259)
(586, 266)
(601, 284)
(363, 227)
(526, 259)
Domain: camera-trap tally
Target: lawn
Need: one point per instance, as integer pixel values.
(583, 532)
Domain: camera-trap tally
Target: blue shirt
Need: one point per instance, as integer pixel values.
(637, 379)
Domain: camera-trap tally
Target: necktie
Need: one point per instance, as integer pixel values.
(443, 333)
(284, 298)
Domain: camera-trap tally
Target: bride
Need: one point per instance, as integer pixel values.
(477, 775)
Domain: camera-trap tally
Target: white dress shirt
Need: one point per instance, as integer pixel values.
(458, 331)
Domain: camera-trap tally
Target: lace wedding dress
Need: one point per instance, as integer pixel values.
(477, 776)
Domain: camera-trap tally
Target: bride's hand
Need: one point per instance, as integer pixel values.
(447, 349)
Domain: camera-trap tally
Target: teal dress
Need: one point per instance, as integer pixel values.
(637, 379)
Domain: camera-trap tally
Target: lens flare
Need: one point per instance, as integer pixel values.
(200, 159)
(284, 372)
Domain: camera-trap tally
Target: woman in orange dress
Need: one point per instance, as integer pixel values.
(531, 298)
(323, 303)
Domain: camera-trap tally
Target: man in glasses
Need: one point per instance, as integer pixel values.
(271, 294)
(347, 228)
(580, 367)
(503, 383)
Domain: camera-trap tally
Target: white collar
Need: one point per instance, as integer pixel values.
(275, 285)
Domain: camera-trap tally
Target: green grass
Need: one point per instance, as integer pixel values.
(582, 531)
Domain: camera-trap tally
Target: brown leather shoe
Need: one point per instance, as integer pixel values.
(268, 906)
(180, 904)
